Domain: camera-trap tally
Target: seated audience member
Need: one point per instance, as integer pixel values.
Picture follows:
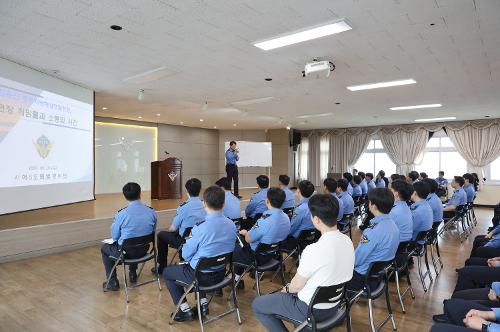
(433, 200)
(188, 214)
(354, 172)
(214, 236)
(348, 177)
(421, 211)
(356, 188)
(344, 197)
(394, 177)
(132, 221)
(464, 315)
(379, 242)
(413, 177)
(301, 219)
(441, 180)
(272, 227)
(317, 267)
(400, 212)
(469, 187)
(330, 187)
(369, 182)
(496, 216)
(284, 181)
(487, 246)
(257, 204)
(380, 181)
(232, 205)
(458, 198)
(422, 176)
(363, 185)
(476, 181)
(477, 272)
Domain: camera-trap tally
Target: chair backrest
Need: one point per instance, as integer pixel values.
(421, 236)
(257, 216)
(307, 235)
(267, 248)
(187, 232)
(331, 295)
(376, 268)
(137, 242)
(436, 224)
(289, 212)
(403, 247)
(213, 263)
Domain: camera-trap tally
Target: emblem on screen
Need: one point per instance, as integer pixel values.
(43, 146)
(172, 175)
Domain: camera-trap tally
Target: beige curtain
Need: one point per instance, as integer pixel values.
(478, 142)
(314, 159)
(346, 146)
(404, 147)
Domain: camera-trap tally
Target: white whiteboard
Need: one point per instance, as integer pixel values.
(258, 154)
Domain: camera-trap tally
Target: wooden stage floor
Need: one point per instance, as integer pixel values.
(62, 292)
(104, 205)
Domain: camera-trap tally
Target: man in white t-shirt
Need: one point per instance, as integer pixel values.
(330, 261)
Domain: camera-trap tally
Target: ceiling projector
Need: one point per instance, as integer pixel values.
(321, 68)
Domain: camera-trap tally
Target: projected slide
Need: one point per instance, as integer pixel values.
(46, 139)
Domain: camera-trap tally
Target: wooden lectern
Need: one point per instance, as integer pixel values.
(166, 179)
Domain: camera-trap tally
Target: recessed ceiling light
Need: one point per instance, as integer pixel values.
(304, 35)
(436, 119)
(487, 116)
(104, 108)
(158, 114)
(288, 127)
(234, 125)
(116, 27)
(215, 127)
(269, 79)
(381, 85)
(337, 103)
(140, 117)
(201, 120)
(182, 122)
(414, 107)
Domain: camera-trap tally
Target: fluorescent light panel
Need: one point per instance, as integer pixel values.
(304, 35)
(381, 85)
(252, 101)
(414, 107)
(313, 115)
(436, 119)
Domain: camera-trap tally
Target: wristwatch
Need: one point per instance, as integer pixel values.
(484, 328)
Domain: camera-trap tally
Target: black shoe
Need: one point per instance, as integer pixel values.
(204, 310)
(132, 276)
(442, 318)
(239, 197)
(241, 285)
(113, 285)
(183, 316)
(155, 272)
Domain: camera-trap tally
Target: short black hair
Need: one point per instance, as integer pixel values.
(262, 181)
(284, 179)
(343, 184)
(441, 173)
(369, 175)
(362, 174)
(433, 185)
(423, 175)
(325, 207)
(132, 191)
(214, 197)
(357, 179)
(470, 177)
(224, 183)
(394, 177)
(347, 176)
(231, 143)
(276, 197)
(193, 187)
(330, 184)
(355, 170)
(381, 173)
(382, 198)
(422, 189)
(306, 188)
(402, 177)
(460, 180)
(413, 175)
(403, 188)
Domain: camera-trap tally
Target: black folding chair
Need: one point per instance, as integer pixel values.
(209, 264)
(346, 224)
(400, 265)
(289, 212)
(457, 221)
(185, 236)
(377, 271)
(148, 242)
(433, 242)
(419, 250)
(333, 296)
(275, 263)
(237, 222)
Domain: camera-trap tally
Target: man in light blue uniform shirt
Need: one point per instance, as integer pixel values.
(214, 236)
(356, 188)
(380, 240)
(380, 181)
(434, 201)
(330, 187)
(301, 219)
(369, 182)
(272, 227)
(420, 210)
(257, 204)
(348, 176)
(413, 177)
(400, 213)
(284, 181)
(441, 180)
(363, 185)
(458, 198)
(135, 220)
(188, 214)
(469, 187)
(232, 207)
(232, 158)
(344, 196)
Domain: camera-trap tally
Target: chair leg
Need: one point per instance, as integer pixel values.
(175, 254)
(257, 282)
(282, 274)
(235, 302)
(438, 254)
(348, 318)
(178, 307)
(198, 307)
(111, 273)
(419, 264)
(396, 276)
(370, 315)
(408, 281)
(125, 282)
(157, 274)
(427, 263)
(389, 308)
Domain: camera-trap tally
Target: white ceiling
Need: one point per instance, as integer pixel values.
(206, 47)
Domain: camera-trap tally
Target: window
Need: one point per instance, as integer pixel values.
(375, 159)
(324, 155)
(303, 159)
(492, 171)
(441, 155)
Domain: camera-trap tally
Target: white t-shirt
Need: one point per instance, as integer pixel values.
(330, 261)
